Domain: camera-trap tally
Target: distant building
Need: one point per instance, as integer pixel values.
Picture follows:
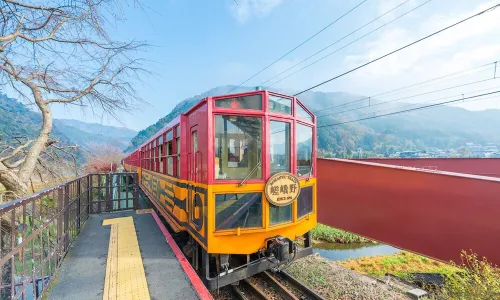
(408, 154)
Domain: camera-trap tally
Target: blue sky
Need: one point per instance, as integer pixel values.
(198, 45)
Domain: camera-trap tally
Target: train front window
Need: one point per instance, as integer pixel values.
(238, 210)
(304, 144)
(280, 214)
(280, 147)
(238, 147)
(280, 105)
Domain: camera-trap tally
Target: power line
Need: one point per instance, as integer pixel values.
(401, 48)
(347, 45)
(410, 86)
(334, 43)
(408, 97)
(300, 45)
(442, 98)
(408, 110)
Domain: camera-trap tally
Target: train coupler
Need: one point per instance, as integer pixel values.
(280, 247)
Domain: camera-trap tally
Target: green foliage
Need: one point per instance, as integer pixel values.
(478, 279)
(332, 235)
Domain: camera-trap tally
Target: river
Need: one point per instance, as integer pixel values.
(337, 251)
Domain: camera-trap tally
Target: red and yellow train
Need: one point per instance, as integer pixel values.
(237, 174)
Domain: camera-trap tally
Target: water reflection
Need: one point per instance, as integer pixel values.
(338, 251)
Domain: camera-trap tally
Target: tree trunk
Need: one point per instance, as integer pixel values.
(40, 143)
(15, 188)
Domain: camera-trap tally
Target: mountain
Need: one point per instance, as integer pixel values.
(93, 134)
(440, 127)
(17, 120)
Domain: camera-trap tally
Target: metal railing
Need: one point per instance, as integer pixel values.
(37, 231)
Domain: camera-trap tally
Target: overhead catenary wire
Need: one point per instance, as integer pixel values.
(298, 46)
(407, 97)
(420, 103)
(341, 39)
(400, 49)
(409, 110)
(410, 86)
(345, 46)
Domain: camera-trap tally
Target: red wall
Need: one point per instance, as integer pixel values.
(476, 166)
(431, 213)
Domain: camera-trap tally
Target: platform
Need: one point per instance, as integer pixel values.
(145, 267)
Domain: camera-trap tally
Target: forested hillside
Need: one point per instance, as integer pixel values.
(17, 120)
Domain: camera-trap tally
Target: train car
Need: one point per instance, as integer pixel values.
(236, 174)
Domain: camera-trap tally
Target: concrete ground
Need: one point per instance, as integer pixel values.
(81, 276)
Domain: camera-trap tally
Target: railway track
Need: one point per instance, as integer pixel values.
(268, 285)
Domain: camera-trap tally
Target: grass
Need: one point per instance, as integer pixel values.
(400, 264)
(332, 235)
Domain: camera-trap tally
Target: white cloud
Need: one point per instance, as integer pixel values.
(468, 45)
(242, 10)
(456, 42)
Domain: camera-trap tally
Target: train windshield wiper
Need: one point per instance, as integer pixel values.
(249, 174)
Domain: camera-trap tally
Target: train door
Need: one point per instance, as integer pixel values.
(195, 204)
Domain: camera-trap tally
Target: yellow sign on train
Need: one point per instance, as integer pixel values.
(282, 189)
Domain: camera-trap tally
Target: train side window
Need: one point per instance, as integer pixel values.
(178, 148)
(245, 102)
(279, 149)
(238, 147)
(305, 201)
(304, 144)
(163, 153)
(169, 148)
(238, 210)
(302, 113)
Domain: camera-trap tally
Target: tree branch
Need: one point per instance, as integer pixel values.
(16, 151)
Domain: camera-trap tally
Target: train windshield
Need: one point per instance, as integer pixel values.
(279, 149)
(238, 147)
(304, 141)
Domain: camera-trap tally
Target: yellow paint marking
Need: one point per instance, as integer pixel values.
(125, 276)
(143, 211)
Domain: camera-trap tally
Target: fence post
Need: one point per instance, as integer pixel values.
(66, 217)
(60, 210)
(89, 195)
(109, 202)
(12, 260)
(78, 204)
(136, 191)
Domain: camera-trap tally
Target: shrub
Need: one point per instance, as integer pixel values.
(332, 235)
(478, 279)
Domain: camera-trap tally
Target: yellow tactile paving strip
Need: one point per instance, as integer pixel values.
(125, 277)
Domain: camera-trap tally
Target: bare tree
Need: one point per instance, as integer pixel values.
(61, 52)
